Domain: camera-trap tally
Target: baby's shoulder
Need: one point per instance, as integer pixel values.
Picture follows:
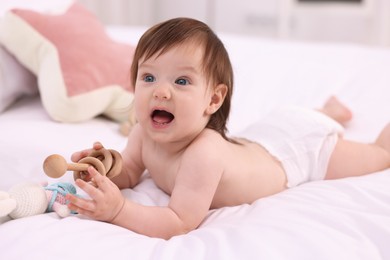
(204, 152)
(207, 143)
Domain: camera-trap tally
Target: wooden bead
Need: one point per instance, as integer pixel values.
(55, 166)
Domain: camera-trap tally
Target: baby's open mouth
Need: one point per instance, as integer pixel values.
(162, 117)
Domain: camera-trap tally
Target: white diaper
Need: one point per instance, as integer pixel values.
(301, 139)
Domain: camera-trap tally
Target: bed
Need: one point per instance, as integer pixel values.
(341, 219)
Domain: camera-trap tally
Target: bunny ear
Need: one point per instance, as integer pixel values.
(7, 204)
(3, 195)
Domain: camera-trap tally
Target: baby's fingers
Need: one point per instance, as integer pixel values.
(97, 146)
(101, 182)
(77, 156)
(91, 190)
(80, 205)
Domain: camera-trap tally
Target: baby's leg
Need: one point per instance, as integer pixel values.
(336, 110)
(383, 139)
(355, 159)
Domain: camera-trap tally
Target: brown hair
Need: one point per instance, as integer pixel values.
(216, 63)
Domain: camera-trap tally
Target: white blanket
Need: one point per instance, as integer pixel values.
(341, 219)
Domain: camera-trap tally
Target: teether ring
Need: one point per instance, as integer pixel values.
(106, 162)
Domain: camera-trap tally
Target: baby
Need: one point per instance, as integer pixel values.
(183, 83)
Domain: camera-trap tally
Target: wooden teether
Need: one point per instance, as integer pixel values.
(106, 162)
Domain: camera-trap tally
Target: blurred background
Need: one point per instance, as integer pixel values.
(356, 21)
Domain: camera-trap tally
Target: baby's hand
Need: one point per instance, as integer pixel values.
(77, 156)
(106, 199)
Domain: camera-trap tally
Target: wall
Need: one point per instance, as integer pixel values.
(367, 23)
(123, 12)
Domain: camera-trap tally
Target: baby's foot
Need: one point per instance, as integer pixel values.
(336, 110)
(383, 139)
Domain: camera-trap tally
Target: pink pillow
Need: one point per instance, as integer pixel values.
(81, 71)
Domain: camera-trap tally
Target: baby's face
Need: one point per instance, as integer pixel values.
(172, 94)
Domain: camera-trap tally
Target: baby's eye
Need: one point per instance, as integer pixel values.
(149, 78)
(182, 81)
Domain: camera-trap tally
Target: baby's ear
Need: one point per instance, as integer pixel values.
(217, 99)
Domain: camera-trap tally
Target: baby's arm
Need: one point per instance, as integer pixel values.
(133, 167)
(191, 198)
(195, 186)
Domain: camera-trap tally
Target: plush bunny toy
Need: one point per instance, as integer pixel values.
(30, 199)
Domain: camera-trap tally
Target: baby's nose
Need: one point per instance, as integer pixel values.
(162, 92)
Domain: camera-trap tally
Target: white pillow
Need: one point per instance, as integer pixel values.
(15, 80)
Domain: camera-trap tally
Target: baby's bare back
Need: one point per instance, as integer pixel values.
(249, 171)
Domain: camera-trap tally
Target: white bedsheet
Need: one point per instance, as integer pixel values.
(341, 219)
